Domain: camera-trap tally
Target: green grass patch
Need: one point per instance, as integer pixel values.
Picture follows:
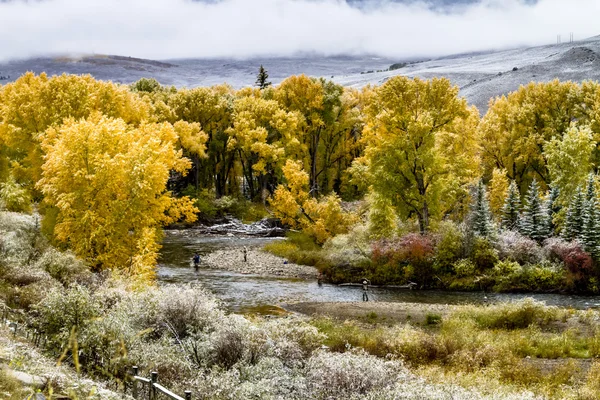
(298, 248)
(433, 319)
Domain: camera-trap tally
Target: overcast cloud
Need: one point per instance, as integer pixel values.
(162, 29)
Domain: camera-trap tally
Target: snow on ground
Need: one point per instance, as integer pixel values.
(480, 76)
(483, 76)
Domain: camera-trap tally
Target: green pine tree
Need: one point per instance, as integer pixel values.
(482, 217)
(552, 208)
(262, 78)
(590, 235)
(591, 187)
(534, 221)
(574, 221)
(511, 208)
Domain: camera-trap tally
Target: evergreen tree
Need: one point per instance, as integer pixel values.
(511, 208)
(482, 217)
(574, 220)
(534, 220)
(590, 235)
(553, 207)
(262, 78)
(591, 187)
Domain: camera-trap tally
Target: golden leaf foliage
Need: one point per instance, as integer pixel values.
(517, 127)
(260, 130)
(570, 160)
(328, 131)
(33, 103)
(212, 108)
(107, 179)
(291, 203)
(421, 148)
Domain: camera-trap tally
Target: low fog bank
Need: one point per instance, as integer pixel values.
(166, 29)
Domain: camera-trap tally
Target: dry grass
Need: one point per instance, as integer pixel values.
(517, 346)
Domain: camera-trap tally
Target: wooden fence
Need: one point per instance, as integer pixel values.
(154, 389)
(149, 389)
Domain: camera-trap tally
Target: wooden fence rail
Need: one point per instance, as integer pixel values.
(154, 388)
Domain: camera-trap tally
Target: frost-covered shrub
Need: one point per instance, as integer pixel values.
(513, 246)
(62, 310)
(349, 375)
(292, 340)
(20, 239)
(229, 346)
(164, 356)
(182, 310)
(32, 294)
(25, 275)
(64, 267)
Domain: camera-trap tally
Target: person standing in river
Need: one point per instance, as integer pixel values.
(365, 288)
(196, 260)
(245, 254)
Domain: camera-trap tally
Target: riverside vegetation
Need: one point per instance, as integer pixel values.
(398, 183)
(102, 326)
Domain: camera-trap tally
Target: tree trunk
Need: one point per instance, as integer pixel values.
(314, 188)
(424, 218)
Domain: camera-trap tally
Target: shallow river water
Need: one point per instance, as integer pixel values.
(243, 292)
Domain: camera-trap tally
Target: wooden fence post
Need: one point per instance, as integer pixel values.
(134, 387)
(153, 380)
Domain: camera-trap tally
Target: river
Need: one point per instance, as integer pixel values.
(245, 293)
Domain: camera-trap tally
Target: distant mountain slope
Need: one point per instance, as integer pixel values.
(480, 76)
(483, 76)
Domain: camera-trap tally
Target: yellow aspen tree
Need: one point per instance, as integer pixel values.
(570, 161)
(421, 147)
(307, 96)
(212, 108)
(516, 128)
(107, 180)
(292, 204)
(260, 129)
(33, 103)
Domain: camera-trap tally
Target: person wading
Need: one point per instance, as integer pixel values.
(365, 288)
(196, 260)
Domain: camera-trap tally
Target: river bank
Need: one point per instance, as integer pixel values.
(257, 262)
(415, 313)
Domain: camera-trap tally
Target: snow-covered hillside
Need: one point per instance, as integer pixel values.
(480, 76)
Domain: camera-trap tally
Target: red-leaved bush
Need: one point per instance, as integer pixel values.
(413, 252)
(578, 263)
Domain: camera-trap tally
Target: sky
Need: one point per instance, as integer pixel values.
(166, 29)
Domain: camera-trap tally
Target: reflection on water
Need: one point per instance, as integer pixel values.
(242, 292)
